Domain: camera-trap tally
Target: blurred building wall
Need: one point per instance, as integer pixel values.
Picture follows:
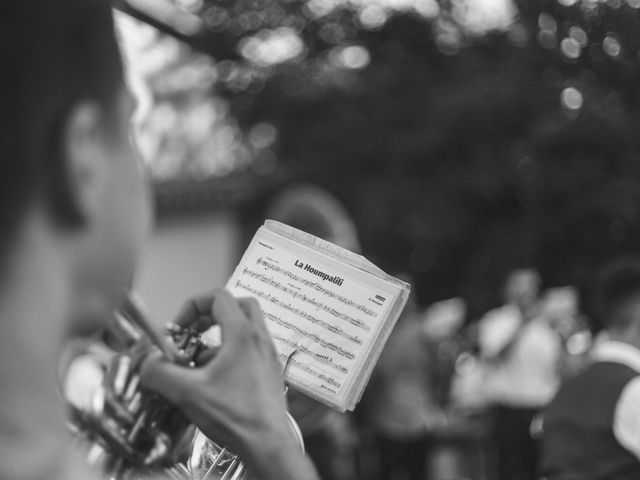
(187, 256)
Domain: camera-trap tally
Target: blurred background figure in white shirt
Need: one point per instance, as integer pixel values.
(521, 352)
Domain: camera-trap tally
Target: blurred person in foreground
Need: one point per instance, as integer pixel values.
(401, 404)
(74, 215)
(592, 427)
(520, 353)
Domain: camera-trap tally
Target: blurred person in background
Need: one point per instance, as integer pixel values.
(520, 353)
(592, 427)
(560, 309)
(443, 325)
(74, 217)
(401, 405)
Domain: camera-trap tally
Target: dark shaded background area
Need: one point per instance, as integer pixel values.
(458, 161)
(458, 168)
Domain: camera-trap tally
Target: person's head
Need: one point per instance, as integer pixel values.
(522, 287)
(314, 210)
(66, 159)
(618, 296)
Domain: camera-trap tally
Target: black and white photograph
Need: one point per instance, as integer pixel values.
(320, 239)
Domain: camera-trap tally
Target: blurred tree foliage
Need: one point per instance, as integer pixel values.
(460, 156)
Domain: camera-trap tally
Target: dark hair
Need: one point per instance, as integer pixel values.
(617, 292)
(53, 54)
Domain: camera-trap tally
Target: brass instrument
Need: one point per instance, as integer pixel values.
(128, 432)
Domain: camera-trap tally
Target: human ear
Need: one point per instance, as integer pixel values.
(86, 157)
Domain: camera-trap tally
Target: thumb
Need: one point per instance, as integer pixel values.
(166, 378)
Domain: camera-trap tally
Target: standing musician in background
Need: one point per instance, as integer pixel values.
(74, 215)
(592, 427)
(521, 353)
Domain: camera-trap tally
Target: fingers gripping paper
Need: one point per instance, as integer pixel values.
(329, 311)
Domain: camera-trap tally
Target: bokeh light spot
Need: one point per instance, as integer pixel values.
(571, 98)
(373, 17)
(547, 23)
(427, 8)
(262, 135)
(272, 47)
(579, 35)
(481, 16)
(611, 46)
(320, 8)
(547, 39)
(353, 56)
(570, 48)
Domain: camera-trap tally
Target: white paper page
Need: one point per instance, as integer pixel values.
(328, 312)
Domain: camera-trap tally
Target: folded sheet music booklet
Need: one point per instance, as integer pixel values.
(329, 311)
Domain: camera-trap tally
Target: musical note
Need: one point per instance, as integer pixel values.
(301, 296)
(316, 356)
(302, 366)
(316, 286)
(296, 311)
(303, 333)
